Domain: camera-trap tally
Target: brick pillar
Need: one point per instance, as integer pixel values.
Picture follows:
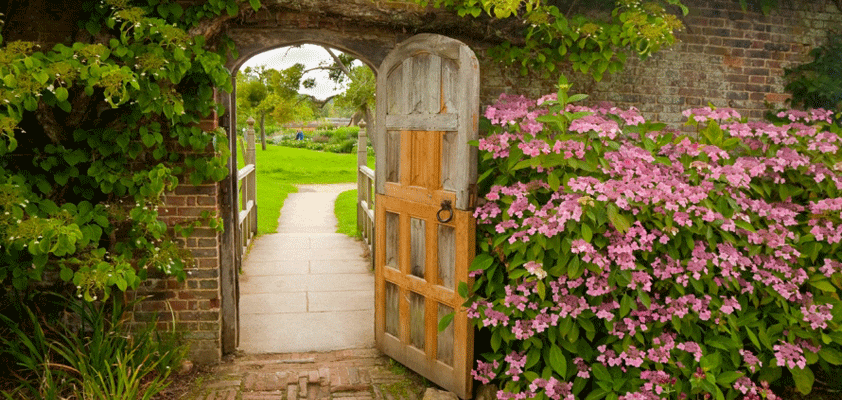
(193, 305)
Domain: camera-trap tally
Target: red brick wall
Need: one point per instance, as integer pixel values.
(194, 304)
(726, 56)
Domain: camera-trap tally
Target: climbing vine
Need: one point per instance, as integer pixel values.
(94, 133)
(552, 38)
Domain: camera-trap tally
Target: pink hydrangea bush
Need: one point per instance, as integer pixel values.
(621, 259)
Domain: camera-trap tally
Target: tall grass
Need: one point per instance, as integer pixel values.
(92, 357)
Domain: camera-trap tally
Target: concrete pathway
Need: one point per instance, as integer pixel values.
(307, 288)
(307, 317)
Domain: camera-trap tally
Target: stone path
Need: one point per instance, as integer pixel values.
(307, 288)
(306, 316)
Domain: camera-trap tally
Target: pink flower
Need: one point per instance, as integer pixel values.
(789, 355)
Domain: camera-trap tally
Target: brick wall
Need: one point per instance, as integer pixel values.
(194, 305)
(726, 56)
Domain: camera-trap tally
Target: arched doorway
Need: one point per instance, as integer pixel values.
(427, 113)
(250, 46)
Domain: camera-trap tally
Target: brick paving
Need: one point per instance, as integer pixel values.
(353, 374)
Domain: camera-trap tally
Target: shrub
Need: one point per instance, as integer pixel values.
(320, 138)
(819, 82)
(620, 259)
(95, 358)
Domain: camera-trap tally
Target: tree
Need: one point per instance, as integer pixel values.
(266, 89)
(359, 96)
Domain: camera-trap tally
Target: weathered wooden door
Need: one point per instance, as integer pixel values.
(427, 111)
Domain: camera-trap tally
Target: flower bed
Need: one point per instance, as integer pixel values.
(621, 259)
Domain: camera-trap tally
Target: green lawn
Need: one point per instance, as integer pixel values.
(346, 213)
(279, 169)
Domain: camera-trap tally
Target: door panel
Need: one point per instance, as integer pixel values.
(427, 111)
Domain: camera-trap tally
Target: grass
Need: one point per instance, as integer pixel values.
(345, 210)
(279, 169)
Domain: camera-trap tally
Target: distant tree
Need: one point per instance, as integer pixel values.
(359, 96)
(264, 90)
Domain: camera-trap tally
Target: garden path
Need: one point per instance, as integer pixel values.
(306, 316)
(306, 288)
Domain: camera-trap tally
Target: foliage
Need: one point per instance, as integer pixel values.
(345, 210)
(270, 92)
(359, 95)
(92, 135)
(339, 140)
(94, 359)
(621, 259)
(818, 84)
(551, 38)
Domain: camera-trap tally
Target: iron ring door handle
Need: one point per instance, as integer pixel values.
(446, 205)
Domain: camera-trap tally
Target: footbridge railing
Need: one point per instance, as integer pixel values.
(365, 191)
(247, 185)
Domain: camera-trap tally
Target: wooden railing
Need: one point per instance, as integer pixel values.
(247, 185)
(365, 191)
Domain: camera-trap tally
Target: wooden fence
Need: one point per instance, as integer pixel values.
(247, 188)
(365, 191)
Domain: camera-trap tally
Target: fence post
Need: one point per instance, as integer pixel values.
(250, 150)
(362, 180)
(251, 158)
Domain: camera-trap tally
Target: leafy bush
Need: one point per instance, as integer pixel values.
(92, 135)
(336, 135)
(818, 84)
(620, 259)
(95, 358)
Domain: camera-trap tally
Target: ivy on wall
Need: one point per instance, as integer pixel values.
(551, 37)
(91, 136)
(818, 83)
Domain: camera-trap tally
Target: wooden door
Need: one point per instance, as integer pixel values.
(427, 111)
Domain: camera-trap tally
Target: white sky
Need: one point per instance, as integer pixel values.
(309, 55)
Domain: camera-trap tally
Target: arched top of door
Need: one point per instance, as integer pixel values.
(370, 50)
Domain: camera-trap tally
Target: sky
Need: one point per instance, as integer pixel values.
(309, 55)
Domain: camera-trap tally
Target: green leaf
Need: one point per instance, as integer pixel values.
(232, 10)
(728, 377)
(66, 274)
(577, 97)
(803, 379)
(176, 11)
(558, 361)
(255, 4)
(601, 373)
(831, 355)
(587, 234)
(496, 340)
(553, 181)
(619, 221)
(481, 262)
(823, 285)
(445, 321)
(745, 225)
(463, 290)
(61, 93)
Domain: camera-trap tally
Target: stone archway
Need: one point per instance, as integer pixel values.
(367, 29)
(252, 43)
